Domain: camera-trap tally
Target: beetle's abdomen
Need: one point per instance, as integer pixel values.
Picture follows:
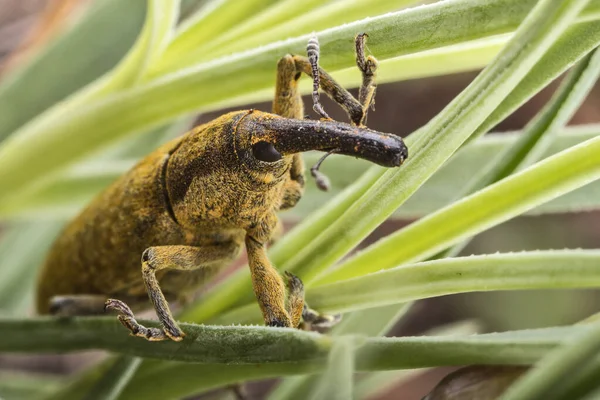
(99, 252)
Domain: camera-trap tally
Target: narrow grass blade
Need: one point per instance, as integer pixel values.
(557, 366)
(275, 15)
(548, 179)
(337, 382)
(508, 348)
(375, 384)
(329, 15)
(511, 271)
(441, 138)
(22, 250)
(539, 133)
(114, 380)
(567, 47)
(417, 29)
(92, 51)
(372, 322)
(185, 91)
(211, 21)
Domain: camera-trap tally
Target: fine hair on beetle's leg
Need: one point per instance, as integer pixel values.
(368, 67)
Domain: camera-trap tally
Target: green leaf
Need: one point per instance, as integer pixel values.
(337, 382)
(25, 158)
(236, 291)
(20, 262)
(372, 322)
(439, 139)
(18, 386)
(492, 272)
(275, 15)
(329, 15)
(79, 56)
(113, 382)
(278, 351)
(539, 134)
(548, 179)
(65, 195)
(374, 384)
(213, 19)
(509, 348)
(557, 366)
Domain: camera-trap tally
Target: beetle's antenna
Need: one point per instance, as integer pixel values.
(312, 51)
(320, 178)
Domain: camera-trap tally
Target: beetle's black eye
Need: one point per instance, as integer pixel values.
(264, 151)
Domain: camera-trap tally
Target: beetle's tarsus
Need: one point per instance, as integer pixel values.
(127, 318)
(317, 320)
(368, 67)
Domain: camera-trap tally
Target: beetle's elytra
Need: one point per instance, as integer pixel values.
(189, 207)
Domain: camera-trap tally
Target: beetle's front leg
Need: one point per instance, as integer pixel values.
(182, 258)
(269, 287)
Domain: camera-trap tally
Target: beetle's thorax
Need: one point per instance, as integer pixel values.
(212, 179)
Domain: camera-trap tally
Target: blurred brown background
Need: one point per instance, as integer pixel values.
(401, 108)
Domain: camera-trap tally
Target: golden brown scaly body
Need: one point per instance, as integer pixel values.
(186, 210)
(99, 252)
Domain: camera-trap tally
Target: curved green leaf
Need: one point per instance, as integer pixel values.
(520, 347)
(76, 58)
(557, 367)
(440, 138)
(548, 179)
(513, 271)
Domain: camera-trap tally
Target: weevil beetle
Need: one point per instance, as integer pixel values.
(188, 207)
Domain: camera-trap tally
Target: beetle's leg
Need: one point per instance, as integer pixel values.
(368, 67)
(268, 285)
(288, 101)
(295, 304)
(299, 310)
(356, 109)
(288, 104)
(340, 95)
(127, 318)
(313, 52)
(182, 258)
(315, 319)
(77, 304)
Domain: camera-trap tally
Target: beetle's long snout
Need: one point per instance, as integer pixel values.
(294, 136)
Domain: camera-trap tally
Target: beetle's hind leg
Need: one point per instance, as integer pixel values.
(76, 305)
(182, 258)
